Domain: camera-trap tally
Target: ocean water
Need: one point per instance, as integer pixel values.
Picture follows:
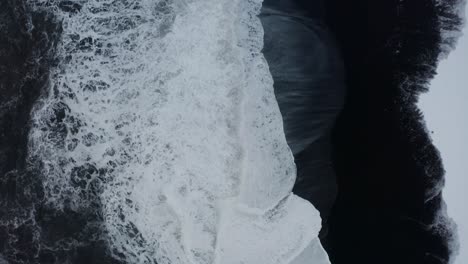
(157, 132)
(159, 138)
(309, 83)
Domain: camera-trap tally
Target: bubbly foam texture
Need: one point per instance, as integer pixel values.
(164, 111)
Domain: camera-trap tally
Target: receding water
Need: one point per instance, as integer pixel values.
(161, 118)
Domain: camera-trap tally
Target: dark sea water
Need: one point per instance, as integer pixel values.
(31, 231)
(347, 76)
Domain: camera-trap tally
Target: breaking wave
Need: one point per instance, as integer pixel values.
(161, 117)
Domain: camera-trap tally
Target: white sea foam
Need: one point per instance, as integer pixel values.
(165, 110)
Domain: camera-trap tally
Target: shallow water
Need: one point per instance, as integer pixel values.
(159, 137)
(309, 84)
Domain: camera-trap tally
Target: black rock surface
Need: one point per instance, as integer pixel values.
(390, 176)
(389, 207)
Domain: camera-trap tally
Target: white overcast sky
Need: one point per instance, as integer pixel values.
(445, 109)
